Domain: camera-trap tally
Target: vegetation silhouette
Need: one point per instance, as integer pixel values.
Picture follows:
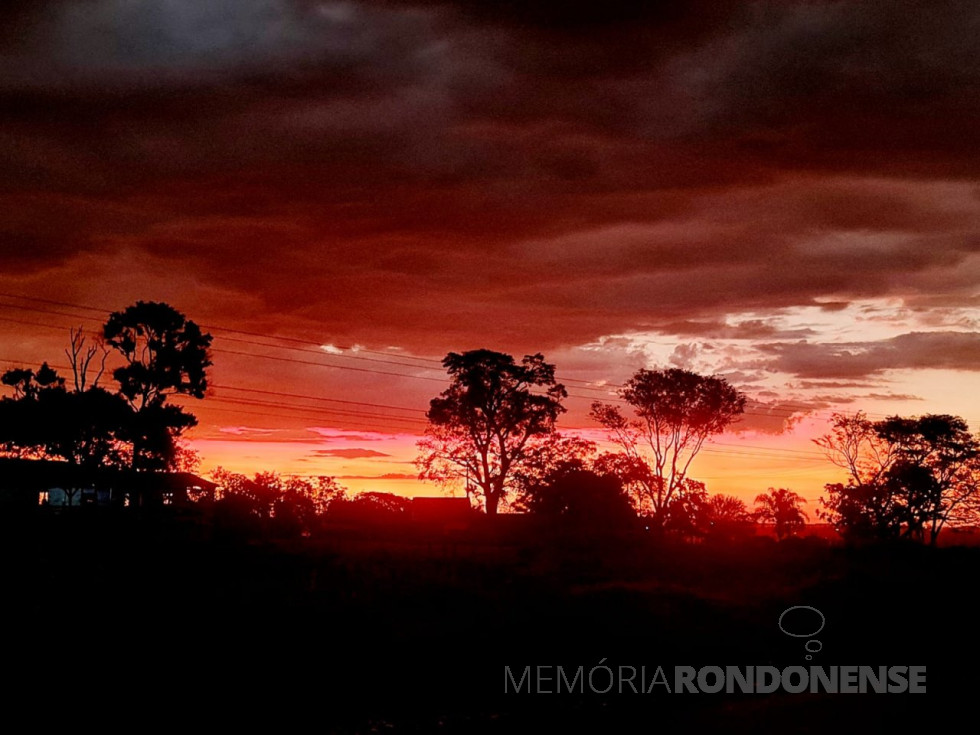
(907, 477)
(726, 517)
(676, 412)
(493, 430)
(86, 428)
(163, 354)
(583, 498)
(269, 504)
(483, 426)
(250, 613)
(783, 509)
(370, 507)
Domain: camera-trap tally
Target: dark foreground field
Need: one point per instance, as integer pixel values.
(140, 624)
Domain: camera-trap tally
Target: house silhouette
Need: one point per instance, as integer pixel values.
(28, 484)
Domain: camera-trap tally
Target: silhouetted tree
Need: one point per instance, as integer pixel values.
(186, 459)
(582, 497)
(248, 496)
(782, 508)
(855, 445)
(636, 475)
(907, 476)
(370, 507)
(45, 421)
(676, 411)
(165, 354)
(866, 512)
(87, 427)
(683, 513)
(864, 508)
(724, 516)
(283, 506)
(28, 383)
(25, 421)
(935, 472)
(546, 460)
(153, 434)
(482, 426)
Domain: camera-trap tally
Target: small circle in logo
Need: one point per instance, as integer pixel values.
(803, 621)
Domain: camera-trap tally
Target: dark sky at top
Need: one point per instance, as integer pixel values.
(521, 175)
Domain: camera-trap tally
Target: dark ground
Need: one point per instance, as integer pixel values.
(145, 623)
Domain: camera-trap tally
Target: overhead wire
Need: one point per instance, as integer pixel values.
(785, 410)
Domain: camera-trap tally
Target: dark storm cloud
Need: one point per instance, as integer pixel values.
(449, 174)
(916, 350)
(139, 90)
(147, 44)
(183, 86)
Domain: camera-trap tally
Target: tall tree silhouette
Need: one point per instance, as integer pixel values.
(936, 470)
(865, 507)
(676, 411)
(165, 354)
(482, 426)
(907, 476)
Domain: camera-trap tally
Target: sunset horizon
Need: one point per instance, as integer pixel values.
(253, 421)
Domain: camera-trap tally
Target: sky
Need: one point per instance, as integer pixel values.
(781, 193)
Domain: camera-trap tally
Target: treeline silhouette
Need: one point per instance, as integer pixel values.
(159, 352)
(270, 505)
(492, 434)
(575, 499)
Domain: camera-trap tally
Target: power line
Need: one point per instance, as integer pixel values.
(340, 367)
(347, 424)
(306, 344)
(370, 371)
(775, 451)
(756, 452)
(784, 411)
(759, 452)
(315, 398)
(312, 410)
(326, 365)
(294, 340)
